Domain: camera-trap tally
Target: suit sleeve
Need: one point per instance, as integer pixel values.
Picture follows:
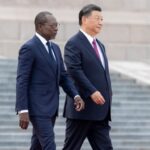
(73, 62)
(65, 81)
(25, 62)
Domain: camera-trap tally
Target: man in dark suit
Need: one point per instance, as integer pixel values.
(40, 72)
(87, 64)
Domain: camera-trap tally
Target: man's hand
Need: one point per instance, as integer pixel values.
(98, 98)
(24, 120)
(79, 103)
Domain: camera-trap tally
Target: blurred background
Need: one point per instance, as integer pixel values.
(126, 35)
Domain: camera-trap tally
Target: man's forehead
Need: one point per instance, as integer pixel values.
(51, 18)
(94, 12)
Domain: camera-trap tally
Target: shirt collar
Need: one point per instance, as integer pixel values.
(89, 37)
(41, 38)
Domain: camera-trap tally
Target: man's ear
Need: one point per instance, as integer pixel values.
(83, 20)
(39, 27)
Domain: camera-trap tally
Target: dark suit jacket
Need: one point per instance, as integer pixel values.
(38, 80)
(89, 75)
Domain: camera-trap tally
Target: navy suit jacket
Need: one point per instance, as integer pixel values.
(89, 75)
(37, 88)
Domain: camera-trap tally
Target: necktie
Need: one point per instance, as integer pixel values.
(50, 51)
(97, 53)
(95, 48)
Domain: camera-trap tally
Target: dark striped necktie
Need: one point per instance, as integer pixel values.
(50, 51)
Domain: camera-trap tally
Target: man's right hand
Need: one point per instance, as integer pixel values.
(79, 103)
(24, 120)
(98, 98)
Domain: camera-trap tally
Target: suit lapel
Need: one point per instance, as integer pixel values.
(104, 54)
(89, 47)
(44, 53)
(106, 64)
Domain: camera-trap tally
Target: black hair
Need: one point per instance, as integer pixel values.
(41, 18)
(86, 11)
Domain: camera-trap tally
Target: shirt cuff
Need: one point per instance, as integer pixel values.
(76, 96)
(23, 111)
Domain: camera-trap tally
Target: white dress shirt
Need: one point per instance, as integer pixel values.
(44, 41)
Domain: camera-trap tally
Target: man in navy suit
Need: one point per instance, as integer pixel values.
(40, 72)
(87, 64)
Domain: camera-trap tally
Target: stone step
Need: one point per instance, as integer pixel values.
(6, 75)
(131, 109)
(114, 135)
(117, 127)
(136, 90)
(10, 83)
(60, 143)
(116, 96)
(129, 97)
(133, 119)
(14, 148)
(10, 102)
(10, 97)
(27, 147)
(7, 65)
(127, 84)
(116, 90)
(7, 89)
(137, 103)
(114, 110)
(7, 81)
(59, 128)
(122, 103)
(136, 122)
(84, 148)
(12, 62)
(128, 129)
(117, 124)
(118, 107)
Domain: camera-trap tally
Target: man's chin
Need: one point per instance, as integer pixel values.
(53, 37)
